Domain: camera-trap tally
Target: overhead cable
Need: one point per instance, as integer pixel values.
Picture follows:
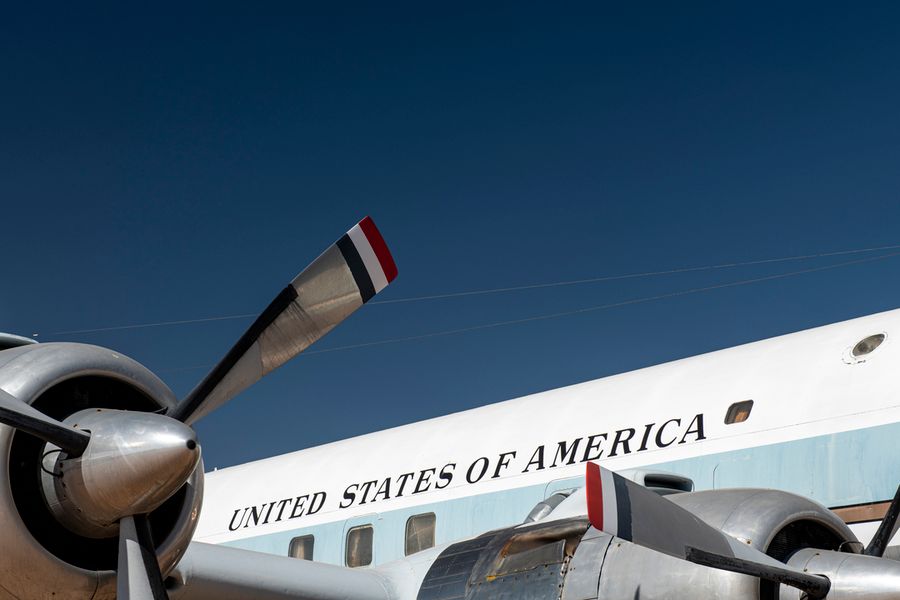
(603, 306)
(487, 291)
(584, 310)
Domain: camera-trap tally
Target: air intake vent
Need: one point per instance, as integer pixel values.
(661, 482)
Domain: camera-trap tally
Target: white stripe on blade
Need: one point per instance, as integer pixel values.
(610, 506)
(376, 273)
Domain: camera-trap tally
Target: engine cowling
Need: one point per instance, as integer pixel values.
(42, 556)
(563, 557)
(775, 522)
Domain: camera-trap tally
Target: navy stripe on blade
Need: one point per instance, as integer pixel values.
(357, 268)
(623, 503)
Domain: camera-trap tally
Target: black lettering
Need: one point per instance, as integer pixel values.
(282, 504)
(349, 497)
(254, 514)
(622, 441)
(313, 507)
(365, 488)
(698, 432)
(403, 479)
(446, 475)
(424, 479)
(565, 453)
(592, 445)
(384, 490)
(503, 462)
(232, 526)
(268, 512)
(300, 503)
(647, 429)
(472, 467)
(536, 459)
(662, 428)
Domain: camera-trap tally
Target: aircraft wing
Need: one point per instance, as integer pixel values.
(211, 572)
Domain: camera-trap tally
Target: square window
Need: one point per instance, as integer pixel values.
(419, 533)
(359, 546)
(302, 547)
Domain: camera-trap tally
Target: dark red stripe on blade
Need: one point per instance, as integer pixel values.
(380, 248)
(593, 490)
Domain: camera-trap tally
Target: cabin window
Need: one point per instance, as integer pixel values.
(302, 547)
(359, 546)
(738, 412)
(419, 533)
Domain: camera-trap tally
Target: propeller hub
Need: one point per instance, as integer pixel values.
(134, 462)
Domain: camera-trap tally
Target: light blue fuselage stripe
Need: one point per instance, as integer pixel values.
(847, 468)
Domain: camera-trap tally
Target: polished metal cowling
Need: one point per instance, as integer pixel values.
(36, 374)
(852, 576)
(134, 462)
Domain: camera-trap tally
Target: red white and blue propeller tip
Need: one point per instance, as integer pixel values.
(631, 512)
(343, 278)
(602, 505)
(368, 257)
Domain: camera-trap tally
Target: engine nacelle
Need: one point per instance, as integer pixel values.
(42, 557)
(567, 559)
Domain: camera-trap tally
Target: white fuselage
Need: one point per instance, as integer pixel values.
(823, 424)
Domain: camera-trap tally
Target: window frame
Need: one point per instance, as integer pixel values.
(736, 409)
(406, 533)
(347, 545)
(302, 539)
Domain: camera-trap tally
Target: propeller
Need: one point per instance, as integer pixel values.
(138, 576)
(330, 289)
(631, 512)
(22, 416)
(111, 481)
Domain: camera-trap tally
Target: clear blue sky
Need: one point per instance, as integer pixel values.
(185, 161)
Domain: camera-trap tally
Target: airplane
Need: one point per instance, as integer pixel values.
(706, 477)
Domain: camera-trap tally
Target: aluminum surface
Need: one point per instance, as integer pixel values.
(756, 516)
(27, 372)
(326, 295)
(449, 574)
(853, 576)
(583, 576)
(9, 340)
(134, 579)
(134, 462)
(210, 572)
(631, 571)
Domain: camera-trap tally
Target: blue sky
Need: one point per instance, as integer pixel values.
(183, 162)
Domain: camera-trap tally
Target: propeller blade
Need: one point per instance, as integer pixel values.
(631, 512)
(815, 586)
(886, 530)
(339, 281)
(23, 416)
(138, 576)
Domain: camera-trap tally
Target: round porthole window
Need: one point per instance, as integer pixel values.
(867, 345)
